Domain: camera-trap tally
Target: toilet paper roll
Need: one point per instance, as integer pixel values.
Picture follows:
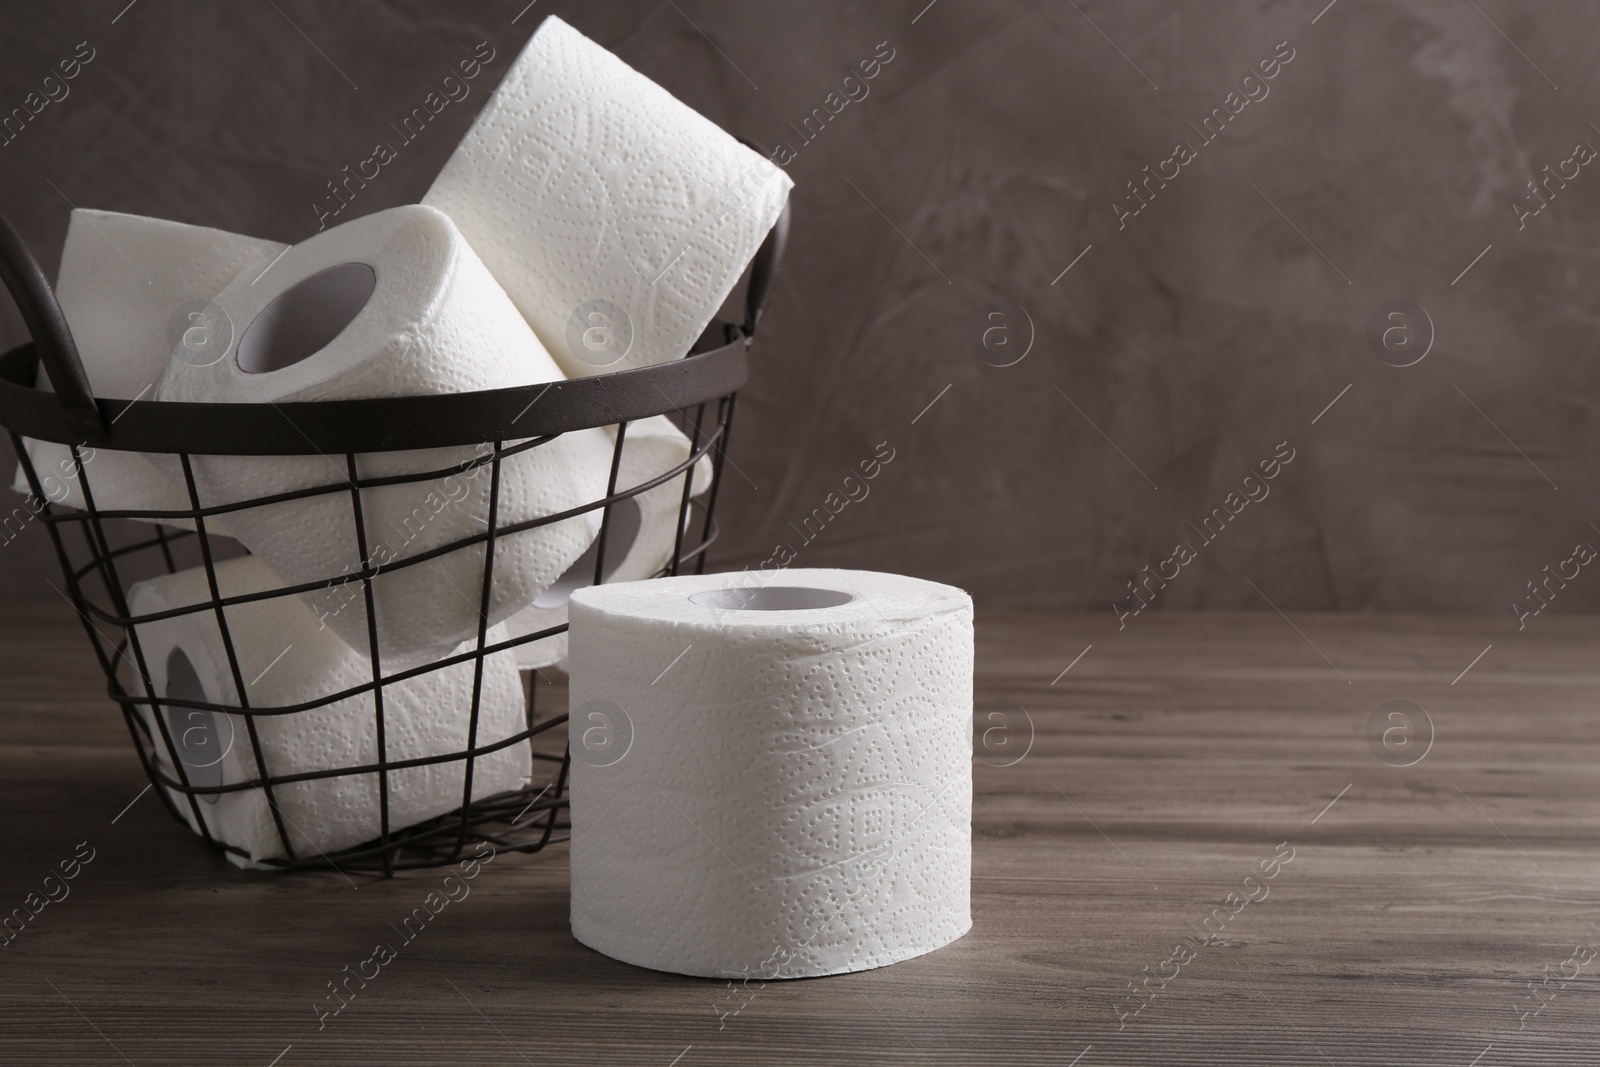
(642, 538)
(392, 304)
(772, 780)
(131, 288)
(616, 217)
(287, 659)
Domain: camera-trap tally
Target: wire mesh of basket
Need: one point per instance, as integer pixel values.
(102, 552)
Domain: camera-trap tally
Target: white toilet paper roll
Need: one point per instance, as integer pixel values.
(392, 304)
(616, 217)
(131, 288)
(771, 781)
(642, 538)
(287, 659)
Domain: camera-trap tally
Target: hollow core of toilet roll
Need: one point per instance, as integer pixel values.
(305, 318)
(771, 598)
(203, 738)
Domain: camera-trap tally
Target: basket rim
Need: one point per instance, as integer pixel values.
(386, 424)
(716, 366)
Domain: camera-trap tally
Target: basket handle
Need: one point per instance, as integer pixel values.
(763, 271)
(764, 267)
(51, 336)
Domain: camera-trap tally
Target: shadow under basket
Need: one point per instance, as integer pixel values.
(103, 553)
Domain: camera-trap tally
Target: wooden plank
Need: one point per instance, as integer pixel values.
(1405, 930)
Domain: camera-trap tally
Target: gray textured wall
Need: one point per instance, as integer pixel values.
(1184, 347)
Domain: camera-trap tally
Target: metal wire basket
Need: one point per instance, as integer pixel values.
(99, 549)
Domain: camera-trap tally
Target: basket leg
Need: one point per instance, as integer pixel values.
(724, 431)
(485, 598)
(695, 449)
(605, 513)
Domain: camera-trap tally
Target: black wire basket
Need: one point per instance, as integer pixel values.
(99, 549)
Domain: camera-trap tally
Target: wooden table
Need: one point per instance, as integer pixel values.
(1172, 760)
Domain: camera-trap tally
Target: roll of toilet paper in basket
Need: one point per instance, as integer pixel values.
(643, 535)
(772, 780)
(132, 288)
(615, 216)
(393, 304)
(286, 659)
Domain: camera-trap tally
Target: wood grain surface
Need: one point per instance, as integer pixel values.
(1173, 759)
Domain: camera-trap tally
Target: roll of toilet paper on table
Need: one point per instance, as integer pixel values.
(131, 288)
(771, 780)
(615, 216)
(286, 659)
(393, 304)
(644, 532)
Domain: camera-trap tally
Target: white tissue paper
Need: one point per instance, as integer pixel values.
(771, 781)
(131, 288)
(393, 304)
(615, 216)
(286, 659)
(643, 534)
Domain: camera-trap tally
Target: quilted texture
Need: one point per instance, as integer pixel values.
(123, 281)
(797, 796)
(435, 323)
(652, 447)
(584, 180)
(286, 659)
